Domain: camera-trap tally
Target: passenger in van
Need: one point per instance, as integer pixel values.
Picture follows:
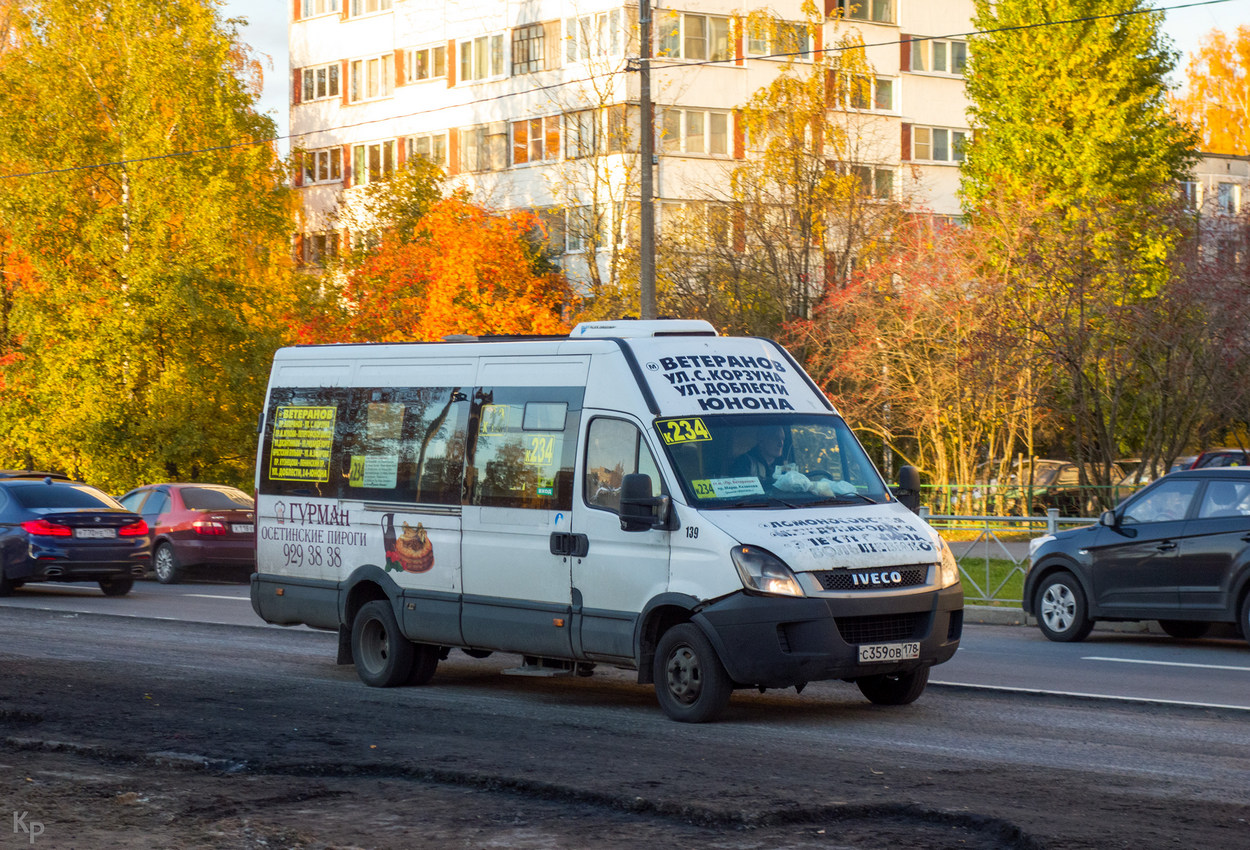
(762, 459)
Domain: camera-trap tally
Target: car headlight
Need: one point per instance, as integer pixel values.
(763, 571)
(949, 568)
(1036, 543)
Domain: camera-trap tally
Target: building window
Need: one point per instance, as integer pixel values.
(695, 131)
(370, 79)
(584, 229)
(428, 63)
(536, 140)
(1228, 198)
(372, 162)
(320, 82)
(937, 144)
(323, 166)
(877, 183)
(580, 134)
(781, 40)
(484, 147)
(697, 37)
(313, 8)
(318, 248)
(481, 58)
(432, 146)
(939, 56)
(528, 49)
(1191, 194)
(877, 11)
(589, 36)
(861, 91)
(369, 7)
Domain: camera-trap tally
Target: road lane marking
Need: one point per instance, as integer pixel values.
(216, 596)
(1079, 695)
(1167, 663)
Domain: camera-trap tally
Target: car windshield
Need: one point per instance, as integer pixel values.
(215, 499)
(785, 460)
(39, 495)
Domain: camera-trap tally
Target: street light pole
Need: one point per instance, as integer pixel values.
(646, 260)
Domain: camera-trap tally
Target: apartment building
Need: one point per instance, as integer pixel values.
(534, 103)
(1218, 192)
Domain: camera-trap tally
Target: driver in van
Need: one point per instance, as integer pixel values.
(762, 459)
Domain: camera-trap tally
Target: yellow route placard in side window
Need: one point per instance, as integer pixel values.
(302, 440)
(686, 430)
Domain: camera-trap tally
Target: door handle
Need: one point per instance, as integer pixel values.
(569, 543)
(1166, 546)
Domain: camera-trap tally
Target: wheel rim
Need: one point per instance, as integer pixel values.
(164, 563)
(374, 649)
(683, 675)
(1058, 607)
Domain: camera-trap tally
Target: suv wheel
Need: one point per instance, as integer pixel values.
(1061, 611)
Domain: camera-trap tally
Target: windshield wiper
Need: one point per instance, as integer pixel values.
(843, 499)
(768, 503)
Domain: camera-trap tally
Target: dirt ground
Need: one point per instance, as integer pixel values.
(74, 800)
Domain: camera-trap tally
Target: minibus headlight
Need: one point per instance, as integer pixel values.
(763, 571)
(949, 567)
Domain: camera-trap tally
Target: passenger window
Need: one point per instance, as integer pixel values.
(614, 449)
(1168, 501)
(305, 426)
(1225, 498)
(158, 504)
(131, 502)
(525, 446)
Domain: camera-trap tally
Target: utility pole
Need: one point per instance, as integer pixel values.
(646, 262)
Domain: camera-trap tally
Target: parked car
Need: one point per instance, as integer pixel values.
(1178, 552)
(197, 529)
(1033, 487)
(1222, 457)
(1183, 462)
(55, 529)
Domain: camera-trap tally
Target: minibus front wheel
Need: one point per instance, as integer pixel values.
(690, 682)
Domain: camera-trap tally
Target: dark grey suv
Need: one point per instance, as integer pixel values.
(1177, 551)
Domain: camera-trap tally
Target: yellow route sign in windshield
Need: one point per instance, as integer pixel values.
(687, 430)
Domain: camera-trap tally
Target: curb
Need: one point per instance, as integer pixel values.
(992, 615)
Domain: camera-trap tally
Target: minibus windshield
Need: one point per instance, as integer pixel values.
(785, 460)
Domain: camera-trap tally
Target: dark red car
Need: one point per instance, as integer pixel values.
(203, 529)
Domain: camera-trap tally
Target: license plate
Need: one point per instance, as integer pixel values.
(95, 533)
(243, 528)
(871, 653)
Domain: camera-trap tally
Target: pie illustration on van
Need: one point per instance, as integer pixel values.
(412, 552)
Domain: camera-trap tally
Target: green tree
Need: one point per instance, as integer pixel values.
(1073, 129)
(141, 184)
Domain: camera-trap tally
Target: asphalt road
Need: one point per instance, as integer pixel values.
(1212, 672)
(212, 730)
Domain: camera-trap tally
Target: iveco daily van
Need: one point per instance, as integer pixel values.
(647, 495)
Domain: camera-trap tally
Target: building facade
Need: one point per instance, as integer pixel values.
(534, 103)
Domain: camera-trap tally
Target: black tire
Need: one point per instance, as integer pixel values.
(424, 663)
(1184, 629)
(116, 586)
(1244, 622)
(690, 682)
(383, 656)
(894, 688)
(1062, 614)
(165, 565)
(6, 586)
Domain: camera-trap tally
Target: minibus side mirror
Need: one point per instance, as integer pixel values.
(640, 511)
(908, 489)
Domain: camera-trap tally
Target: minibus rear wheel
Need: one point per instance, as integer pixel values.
(690, 682)
(383, 656)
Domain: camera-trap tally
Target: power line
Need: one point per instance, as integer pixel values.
(565, 83)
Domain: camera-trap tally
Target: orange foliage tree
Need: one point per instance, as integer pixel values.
(464, 270)
(1217, 100)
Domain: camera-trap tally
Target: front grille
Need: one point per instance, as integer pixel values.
(883, 628)
(863, 579)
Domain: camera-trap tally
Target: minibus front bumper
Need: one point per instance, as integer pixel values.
(781, 642)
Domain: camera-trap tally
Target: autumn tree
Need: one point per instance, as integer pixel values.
(462, 270)
(1217, 98)
(141, 185)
